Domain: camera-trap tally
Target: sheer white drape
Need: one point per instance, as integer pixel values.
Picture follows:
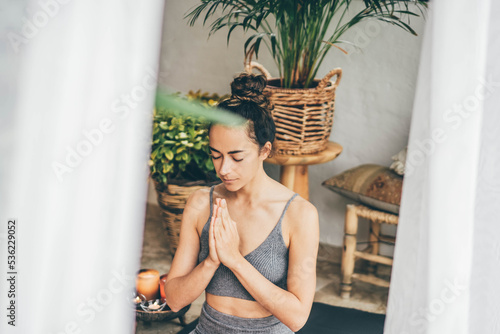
(76, 179)
(447, 256)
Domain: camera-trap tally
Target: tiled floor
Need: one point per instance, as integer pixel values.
(155, 255)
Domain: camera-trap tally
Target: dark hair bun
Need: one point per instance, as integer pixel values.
(250, 102)
(250, 87)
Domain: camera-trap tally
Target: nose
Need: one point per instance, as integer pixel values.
(225, 167)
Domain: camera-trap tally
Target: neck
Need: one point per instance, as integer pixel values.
(252, 191)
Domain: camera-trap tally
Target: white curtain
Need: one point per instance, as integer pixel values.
(76, 129)
(446, 272)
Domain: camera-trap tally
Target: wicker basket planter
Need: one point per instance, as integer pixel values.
(172, 200)
(303, 117)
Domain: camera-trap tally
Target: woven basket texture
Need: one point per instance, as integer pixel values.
(303, 116)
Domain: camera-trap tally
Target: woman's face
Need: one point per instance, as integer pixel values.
(235, 156)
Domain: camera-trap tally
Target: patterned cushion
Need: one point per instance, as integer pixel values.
(372, 185)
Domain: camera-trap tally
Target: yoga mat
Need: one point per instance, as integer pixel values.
(189, 327)
(328, 319)
(339, 320)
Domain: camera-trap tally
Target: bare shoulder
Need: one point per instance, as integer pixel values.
(303, 214)
(198, 200)
(197, 207)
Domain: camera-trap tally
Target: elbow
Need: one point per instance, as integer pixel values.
(173, 305)
(174, 308)
(172, 302)
(296, 327)
(298, 322)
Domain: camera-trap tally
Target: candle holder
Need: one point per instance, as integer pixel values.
(135, 299)
(155, 308)
(153, 305)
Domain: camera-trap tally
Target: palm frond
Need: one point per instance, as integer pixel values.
(296, 31)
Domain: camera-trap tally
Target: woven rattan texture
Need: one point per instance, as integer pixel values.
(375, 215)
(303, 117)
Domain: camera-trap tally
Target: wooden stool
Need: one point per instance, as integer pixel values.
(294, 174)
(370, 253)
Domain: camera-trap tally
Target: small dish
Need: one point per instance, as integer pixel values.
(135, 299)
(153, 305)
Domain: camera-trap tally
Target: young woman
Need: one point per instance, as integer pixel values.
(250, 243)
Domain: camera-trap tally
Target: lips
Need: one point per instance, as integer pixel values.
(228, 180)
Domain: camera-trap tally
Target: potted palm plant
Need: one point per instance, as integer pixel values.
(180, 161)
(299, 34)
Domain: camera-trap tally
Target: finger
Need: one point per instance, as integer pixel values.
(211, 231)
(221, 218)
(225, 212)
(215, 210)
(216, 224)
(218, 212)
(219, 229)
(211, 240)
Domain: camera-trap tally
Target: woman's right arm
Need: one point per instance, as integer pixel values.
(186, 280)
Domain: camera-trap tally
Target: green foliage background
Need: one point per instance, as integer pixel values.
(179, 151)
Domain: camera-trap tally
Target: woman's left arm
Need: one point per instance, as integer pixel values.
(291, 306)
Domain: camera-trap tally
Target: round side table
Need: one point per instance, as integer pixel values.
(294, 174)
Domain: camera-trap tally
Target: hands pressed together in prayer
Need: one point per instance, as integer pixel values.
(223, 239)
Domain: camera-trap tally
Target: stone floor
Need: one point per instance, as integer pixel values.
(364, 297)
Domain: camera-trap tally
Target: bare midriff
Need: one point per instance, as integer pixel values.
(236, 306)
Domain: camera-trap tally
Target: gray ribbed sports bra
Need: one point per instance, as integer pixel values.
(270, 258)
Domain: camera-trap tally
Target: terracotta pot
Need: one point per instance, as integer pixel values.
(163, 279)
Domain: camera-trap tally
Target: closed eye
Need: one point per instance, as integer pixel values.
(215, 158)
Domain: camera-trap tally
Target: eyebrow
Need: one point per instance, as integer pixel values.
(231, 152)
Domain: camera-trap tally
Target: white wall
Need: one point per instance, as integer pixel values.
(373, 104)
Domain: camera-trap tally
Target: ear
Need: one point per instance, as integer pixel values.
(265, 151)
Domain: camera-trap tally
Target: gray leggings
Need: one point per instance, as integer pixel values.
(212, 322)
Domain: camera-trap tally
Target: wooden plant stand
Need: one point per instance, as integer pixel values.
(294, 168)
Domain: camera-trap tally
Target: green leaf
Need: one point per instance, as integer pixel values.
(155, 153)
(169, 155)
(209, 164)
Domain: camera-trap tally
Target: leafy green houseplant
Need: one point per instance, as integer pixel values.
(179, 152)
(298, 33)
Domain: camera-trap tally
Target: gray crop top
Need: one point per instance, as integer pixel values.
(270, 258)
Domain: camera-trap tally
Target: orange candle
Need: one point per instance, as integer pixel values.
(163, 279)
(147, 283)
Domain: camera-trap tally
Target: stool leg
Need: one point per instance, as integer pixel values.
(348, 258)
(301, 183)
(375, 246)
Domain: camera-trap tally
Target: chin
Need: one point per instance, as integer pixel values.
(232, 186)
